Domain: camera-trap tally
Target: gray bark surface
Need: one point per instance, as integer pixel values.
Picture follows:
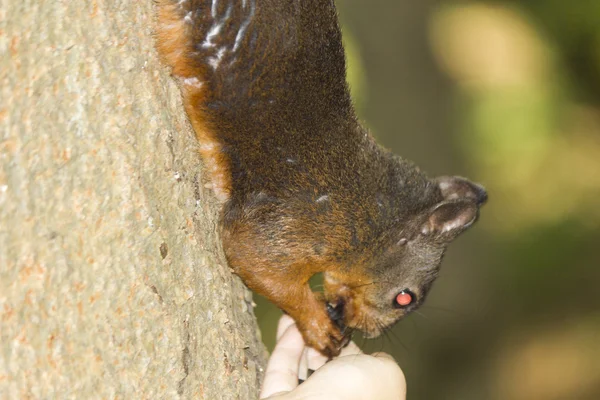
(112, 279)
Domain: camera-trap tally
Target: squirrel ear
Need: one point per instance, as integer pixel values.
(456, 187)
(449, 218)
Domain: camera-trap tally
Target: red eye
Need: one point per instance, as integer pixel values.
(404, 298)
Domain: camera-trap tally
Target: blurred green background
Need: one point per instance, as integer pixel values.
(506, 93)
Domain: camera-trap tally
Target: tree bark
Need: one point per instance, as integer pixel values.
(112, 280)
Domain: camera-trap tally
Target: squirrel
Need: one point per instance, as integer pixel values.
(305, 187)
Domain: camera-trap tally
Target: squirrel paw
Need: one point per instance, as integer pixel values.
(324, 335)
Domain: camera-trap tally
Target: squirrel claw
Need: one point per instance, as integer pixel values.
(336, 314)
(325, 335)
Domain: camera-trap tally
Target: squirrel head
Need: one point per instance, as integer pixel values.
(395, 278)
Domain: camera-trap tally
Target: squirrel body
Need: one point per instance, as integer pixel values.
(305, 188)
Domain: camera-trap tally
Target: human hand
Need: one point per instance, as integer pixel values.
(351, 376)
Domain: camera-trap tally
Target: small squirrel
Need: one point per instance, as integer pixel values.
(305, 188)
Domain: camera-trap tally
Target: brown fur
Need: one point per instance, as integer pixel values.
(173, 42)
(306, 188)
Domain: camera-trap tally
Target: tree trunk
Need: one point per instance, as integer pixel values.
(112, 280)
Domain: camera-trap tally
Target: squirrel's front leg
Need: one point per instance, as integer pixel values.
(291, 292)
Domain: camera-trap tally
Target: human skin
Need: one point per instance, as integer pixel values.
(351, 376)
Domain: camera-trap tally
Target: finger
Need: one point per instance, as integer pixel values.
(284, 322)
(303, 368)
(350, 349)
(315, 360)
(282, 369)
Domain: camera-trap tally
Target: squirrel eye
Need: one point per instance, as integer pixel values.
(404, 298)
